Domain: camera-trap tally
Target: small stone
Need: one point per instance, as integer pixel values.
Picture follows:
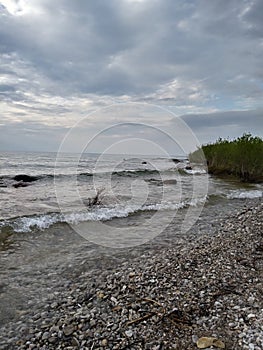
(207, 342)
(129, 333)
(92, 323)
(54, 305)
(249, 316)
(38, 335)
(194, 338)
(52, 340)
(132, 274)
(251, 300)
(100, 295)
(45, 336)
(75, 342)
(68, 330)
(218, 304)
(114, 300)
(104, 342)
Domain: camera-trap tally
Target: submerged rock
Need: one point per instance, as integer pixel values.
(20, 184)
(170, 182)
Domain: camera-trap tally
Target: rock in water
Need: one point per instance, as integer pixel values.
(170, 182)
(25, 178)
(20, 184)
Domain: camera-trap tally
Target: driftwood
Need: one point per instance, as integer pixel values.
(176, 316)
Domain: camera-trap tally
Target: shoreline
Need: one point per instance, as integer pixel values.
(164, 299)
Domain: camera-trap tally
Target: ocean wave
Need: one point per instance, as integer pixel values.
(24, 178)
(42, 222)
(195, 171)
(129, 173)
(248, 194)
(136, 172)
(188, 171)
(33, 178)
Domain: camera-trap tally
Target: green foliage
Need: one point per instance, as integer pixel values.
(242, 157)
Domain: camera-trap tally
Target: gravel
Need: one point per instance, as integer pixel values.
(210, 286)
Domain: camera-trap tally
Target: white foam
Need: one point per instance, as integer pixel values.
(248, 194)
(195, 171)
(26, 224)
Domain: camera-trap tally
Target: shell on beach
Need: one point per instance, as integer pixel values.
(206, 342)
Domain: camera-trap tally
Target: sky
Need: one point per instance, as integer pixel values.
(187, 69)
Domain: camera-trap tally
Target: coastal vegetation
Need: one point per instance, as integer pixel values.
(241, 157)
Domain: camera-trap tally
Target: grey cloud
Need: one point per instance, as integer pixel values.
(211, 126)
(26, 136)
(103, 50)
(127, 48)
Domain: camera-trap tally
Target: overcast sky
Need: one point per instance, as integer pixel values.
(158, 60)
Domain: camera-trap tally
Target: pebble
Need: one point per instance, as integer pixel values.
(68, 330)
(45, 336)
(129, 333)
(104, 342)
(195, 289)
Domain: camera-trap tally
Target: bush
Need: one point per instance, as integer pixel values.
(242, 157)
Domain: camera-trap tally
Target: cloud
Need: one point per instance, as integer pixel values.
(60, 61)
(211, 126)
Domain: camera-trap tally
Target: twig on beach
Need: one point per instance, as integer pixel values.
(226, 290)
(175, 316)
(143, 318)
(153, 301)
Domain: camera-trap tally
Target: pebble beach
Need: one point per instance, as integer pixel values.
(205, 292)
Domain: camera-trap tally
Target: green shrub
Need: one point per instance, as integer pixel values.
(242, 157)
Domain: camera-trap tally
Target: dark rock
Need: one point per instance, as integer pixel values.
(45, 336)
(68, 330)
(170, 182)
(25, 178)
(52, 340)
(20, 184)
(75, 342)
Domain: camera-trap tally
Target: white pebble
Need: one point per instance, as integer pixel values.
(129, 333)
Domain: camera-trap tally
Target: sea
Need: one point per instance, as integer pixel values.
(62, 215)
(106, 193)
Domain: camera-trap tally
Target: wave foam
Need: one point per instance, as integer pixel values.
(42, 222)
(249, 194)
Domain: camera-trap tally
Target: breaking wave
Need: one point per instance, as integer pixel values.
(42, 222)
(249, 194)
